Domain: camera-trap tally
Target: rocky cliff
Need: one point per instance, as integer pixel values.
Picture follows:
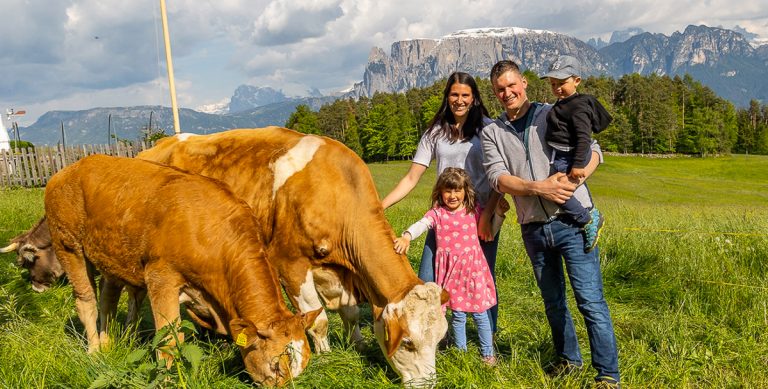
(719, 58)
(421, 62)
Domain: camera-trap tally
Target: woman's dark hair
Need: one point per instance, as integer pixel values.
(445, 122)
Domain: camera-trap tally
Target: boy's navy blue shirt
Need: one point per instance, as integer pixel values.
(569, 125)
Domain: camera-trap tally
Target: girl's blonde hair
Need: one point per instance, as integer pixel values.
(454, 178)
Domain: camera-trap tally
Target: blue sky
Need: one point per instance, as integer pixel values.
(79, 54)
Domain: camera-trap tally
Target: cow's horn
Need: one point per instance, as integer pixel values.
(12, 247)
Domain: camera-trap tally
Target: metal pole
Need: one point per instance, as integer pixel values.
(169, 61)
(109, 130)
(18, 137)
(63, 138)
(149, 128)
(63, 146)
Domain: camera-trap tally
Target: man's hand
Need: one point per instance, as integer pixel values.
(403, 243)
(554, 189)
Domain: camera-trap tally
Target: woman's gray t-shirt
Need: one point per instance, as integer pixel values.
(467, 155)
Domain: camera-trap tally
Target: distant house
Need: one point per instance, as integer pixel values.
(5, 140)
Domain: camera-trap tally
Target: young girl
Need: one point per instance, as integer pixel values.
(460, 266)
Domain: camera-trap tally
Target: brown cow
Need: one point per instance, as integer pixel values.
(154, 227)
(317, 204)
(35, 253)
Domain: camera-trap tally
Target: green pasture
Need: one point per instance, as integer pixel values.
(685, 264)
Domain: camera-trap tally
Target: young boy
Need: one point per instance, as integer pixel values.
(570, 125)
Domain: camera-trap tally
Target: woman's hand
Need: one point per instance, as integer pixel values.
(484, 226)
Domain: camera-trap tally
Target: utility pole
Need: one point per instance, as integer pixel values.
(169, 62)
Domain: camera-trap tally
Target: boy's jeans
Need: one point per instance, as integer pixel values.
(490, 249)
(546, 243)
(483, 324)
(562, 162)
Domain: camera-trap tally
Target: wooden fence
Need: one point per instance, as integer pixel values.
(33, 167)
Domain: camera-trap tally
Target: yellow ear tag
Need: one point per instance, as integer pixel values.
(241, 340)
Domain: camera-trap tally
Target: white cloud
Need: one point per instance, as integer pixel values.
(290, 21)
(82, 53)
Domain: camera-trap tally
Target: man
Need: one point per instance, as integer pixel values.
(516, 158)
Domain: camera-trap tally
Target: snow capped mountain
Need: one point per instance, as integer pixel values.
(495, 32)
(220, 108)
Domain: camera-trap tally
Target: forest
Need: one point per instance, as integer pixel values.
(651, 115)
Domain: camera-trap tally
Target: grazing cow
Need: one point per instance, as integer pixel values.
(317, 204)
(174, 234)
(35, 253)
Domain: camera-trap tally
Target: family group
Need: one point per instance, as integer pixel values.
(540, 154)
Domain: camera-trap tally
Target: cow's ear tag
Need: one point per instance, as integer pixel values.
(242, 339)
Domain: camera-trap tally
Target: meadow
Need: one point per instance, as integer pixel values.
(685, 264)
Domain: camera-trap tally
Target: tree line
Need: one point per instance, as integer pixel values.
(651, 115)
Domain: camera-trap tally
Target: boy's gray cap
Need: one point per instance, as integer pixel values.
(565, 66)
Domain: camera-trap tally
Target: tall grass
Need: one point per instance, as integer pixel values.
(684, 262)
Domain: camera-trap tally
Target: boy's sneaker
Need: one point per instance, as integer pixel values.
(592, 229)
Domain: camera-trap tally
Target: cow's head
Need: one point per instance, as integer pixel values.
(273, 354)
(409, 331)
(35, 253)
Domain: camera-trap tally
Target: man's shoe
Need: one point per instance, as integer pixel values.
(605, 382)
(592, 230)
(562, 368)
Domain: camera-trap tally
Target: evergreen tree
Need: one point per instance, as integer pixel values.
(303, 120)
(651, 114)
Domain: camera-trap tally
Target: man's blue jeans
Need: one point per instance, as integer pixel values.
(490, 249)
(483, 324)
(546, 244)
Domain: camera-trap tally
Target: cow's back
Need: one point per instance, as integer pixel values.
(271, 165)
(142, 208)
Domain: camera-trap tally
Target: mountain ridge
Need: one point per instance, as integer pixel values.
(722, 59)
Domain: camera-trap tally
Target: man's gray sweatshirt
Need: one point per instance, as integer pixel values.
(505, 154)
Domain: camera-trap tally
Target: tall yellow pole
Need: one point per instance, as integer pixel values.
(169, 61)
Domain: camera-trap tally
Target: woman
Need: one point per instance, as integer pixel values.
(453, 141)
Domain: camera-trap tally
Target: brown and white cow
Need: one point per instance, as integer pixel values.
(318, 207)
(150, 226)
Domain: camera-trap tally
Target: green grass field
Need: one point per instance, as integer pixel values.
(685, 265)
